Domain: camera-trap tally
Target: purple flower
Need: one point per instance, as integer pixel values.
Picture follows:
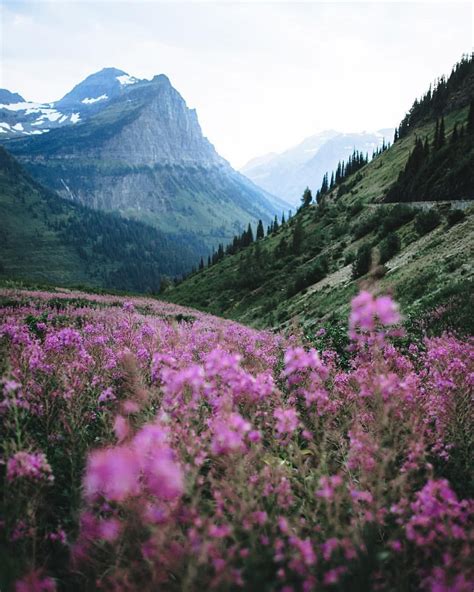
(25, 465)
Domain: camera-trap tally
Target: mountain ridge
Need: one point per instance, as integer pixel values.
(52, 240)
(142, 154)
(288, 173)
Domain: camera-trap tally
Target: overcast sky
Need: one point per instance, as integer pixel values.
(262, 76)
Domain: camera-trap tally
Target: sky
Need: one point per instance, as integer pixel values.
(262, 75)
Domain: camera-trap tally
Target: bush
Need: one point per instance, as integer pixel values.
(349, 258)
(356, 208)
(308, 277)
(455, 216)
(426, 221)
(368, 224)
(389, 247)
(362, 261)
(396, 217)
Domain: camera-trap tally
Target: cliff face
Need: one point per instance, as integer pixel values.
(164, 132)
(143, 154)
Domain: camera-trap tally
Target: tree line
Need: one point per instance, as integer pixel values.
(439, 97)
(440, 169)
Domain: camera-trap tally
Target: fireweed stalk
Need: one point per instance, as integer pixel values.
(148, 446)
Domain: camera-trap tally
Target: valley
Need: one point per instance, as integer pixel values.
(256, 380)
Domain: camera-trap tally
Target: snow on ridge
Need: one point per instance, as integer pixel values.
(90, 101)
(24, 106)
(75, 117)
(53, 115)
(126, 79)
(18, 127)
(5, 125)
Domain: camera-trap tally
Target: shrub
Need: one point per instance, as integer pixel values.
(455, 216)
(426, 221)
(396, 217)
(349, 257)
(356, 208)
(368, 224)
(310, 276)
(389, 247)
(362, 261)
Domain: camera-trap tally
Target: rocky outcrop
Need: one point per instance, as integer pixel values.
(144, 154)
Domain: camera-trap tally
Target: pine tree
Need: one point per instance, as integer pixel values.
(442, 134)
(470, 118)
(307, 197)
(260, 230)
(454, 135)
(220, 252)
(426, 148)
(297, 237)
(275, 224)
(324, 185)
(283, 221)
(201, 264)
(249, 234)
(436, 135)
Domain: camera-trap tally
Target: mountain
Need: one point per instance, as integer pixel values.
(287, 174)
(7, 97)
(134, 147)
(19, 117)
(48, 239)
(306, 270)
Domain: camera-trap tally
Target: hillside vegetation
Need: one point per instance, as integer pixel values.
(306, 269)
(48, 239)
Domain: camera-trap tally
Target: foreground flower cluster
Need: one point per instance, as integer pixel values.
(146, 446)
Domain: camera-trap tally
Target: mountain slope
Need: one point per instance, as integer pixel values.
(304, 272)
(143, 154)
(287, 174)
(48, 239)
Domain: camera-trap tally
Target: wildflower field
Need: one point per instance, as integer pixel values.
(149, 447)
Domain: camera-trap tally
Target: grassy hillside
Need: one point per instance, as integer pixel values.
(272, 284)
(48, 239)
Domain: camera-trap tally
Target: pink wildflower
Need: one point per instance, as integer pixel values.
(32, 466)
(286, 421)
(113, 473)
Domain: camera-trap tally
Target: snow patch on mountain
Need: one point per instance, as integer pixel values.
(24, 106)
(91, 101)
(75, 117)
(126, 79)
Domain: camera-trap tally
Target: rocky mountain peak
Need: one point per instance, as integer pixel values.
(9, 98)
(100, 86)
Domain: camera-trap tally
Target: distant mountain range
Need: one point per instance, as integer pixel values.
(288, 173)
(119, 144)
